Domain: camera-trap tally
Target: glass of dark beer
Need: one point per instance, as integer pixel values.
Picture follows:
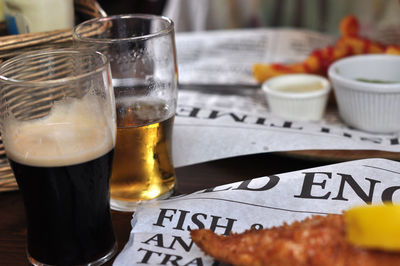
(141, 50)
(58, 129)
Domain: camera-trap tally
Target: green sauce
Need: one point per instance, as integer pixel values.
(376, 81)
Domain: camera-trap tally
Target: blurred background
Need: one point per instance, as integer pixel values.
(379, 18)
(114, 7)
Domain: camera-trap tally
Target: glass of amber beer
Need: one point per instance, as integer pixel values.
(58, 128)
(141, 50)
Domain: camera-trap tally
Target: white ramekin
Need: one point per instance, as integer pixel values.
(372, 107)
(301, 106)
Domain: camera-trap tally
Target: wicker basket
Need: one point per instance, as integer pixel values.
(13, 45)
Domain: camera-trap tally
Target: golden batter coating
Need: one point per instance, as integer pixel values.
(319, 240)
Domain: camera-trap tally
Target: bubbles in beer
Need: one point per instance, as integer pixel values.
(142, 168)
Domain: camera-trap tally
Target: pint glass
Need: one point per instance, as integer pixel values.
(58, 129)
(141, 50)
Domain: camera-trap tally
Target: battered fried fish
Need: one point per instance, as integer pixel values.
(319, 240)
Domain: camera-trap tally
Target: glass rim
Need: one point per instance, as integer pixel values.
(67, 51)
(163, 32)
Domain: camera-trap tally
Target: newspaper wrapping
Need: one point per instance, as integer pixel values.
(160, 230)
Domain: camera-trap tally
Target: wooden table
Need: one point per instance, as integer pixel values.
(189, 178)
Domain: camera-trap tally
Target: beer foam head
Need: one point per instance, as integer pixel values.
(75, 131)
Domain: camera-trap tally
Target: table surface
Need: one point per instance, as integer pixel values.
(189, 179)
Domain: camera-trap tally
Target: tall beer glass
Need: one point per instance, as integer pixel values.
(58, 128)
(141, 50)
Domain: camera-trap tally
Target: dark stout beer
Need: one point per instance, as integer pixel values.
(62, 164)
(67, 209)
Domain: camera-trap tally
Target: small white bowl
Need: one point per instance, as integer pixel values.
(369, 106)
(300, 97)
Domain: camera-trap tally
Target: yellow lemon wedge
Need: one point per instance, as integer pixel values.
(374, 226)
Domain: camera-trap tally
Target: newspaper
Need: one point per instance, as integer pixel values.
(211, 126)
(226, 57)
(160, 230)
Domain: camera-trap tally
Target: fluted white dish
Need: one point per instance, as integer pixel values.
(372, 106)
